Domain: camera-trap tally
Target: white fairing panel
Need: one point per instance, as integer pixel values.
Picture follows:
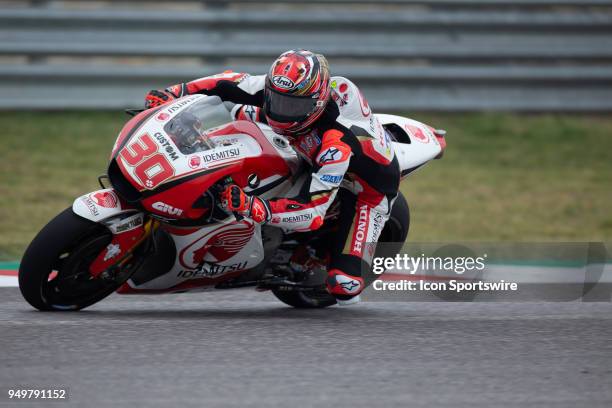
(355, 112)
(424, 145)
(231, 247)
(99, 205)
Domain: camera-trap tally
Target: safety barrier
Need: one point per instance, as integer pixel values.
(450, 55)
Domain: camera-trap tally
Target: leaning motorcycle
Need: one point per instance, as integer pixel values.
(159, 227)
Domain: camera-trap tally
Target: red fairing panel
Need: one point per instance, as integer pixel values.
(130, 127)
(176, 202)
(268, 164)
(121, 244)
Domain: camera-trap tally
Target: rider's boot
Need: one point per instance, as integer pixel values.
(344, 287)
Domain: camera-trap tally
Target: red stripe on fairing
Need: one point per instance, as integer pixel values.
(7, 272)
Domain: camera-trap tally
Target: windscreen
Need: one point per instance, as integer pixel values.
(189, 128)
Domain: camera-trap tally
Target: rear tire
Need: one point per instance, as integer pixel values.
(305, 300)
(393, 235)
(54, 271)
(397, 227)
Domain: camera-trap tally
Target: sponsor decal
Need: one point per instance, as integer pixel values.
(250, 112)
(166, 145)
(297, 218)
(221, 155)
(226, 242)
(372, 124)
(175, 107)
(377, 224)
(309, 142)
(253, 180)
(106, 199)
(211, 270)
(151, 168)
(338, 99)
(258, 210)
(275, 220)
(417, 133)
(343, 87)
(334, 84)
(93, 209)
(361, 230)
(195, 162)
(331, 154)
(282, 82)
(349, 285)
(329, 178)
(162, 117)
(112, 250)
(226, 141)
(127, 224)
(166, 208)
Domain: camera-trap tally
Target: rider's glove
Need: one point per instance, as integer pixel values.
(157, 97)
(253, 207)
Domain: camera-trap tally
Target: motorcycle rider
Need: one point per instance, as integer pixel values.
(329, 123)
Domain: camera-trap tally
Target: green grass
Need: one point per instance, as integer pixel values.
(504, 177)
(520, 178)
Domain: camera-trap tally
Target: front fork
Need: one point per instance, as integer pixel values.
(120, 250)
(129, 226)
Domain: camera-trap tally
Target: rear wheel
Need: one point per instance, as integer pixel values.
(393, 236)
(54, 272)
(396, 229)
(305, 300)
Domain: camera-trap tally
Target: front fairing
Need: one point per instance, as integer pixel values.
(164, 148)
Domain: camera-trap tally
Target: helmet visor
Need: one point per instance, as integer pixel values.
(285, 108)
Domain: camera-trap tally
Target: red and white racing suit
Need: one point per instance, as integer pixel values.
(349, 153)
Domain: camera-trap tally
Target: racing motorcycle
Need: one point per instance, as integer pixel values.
(157, 226)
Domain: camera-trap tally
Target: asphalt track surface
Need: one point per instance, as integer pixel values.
(245, 349)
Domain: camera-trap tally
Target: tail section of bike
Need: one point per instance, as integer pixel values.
(415, 143)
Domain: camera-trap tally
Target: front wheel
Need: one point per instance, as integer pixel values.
(54, 272)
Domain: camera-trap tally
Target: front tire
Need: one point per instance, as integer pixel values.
(54, 272)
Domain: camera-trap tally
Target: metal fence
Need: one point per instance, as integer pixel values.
(455, 55)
